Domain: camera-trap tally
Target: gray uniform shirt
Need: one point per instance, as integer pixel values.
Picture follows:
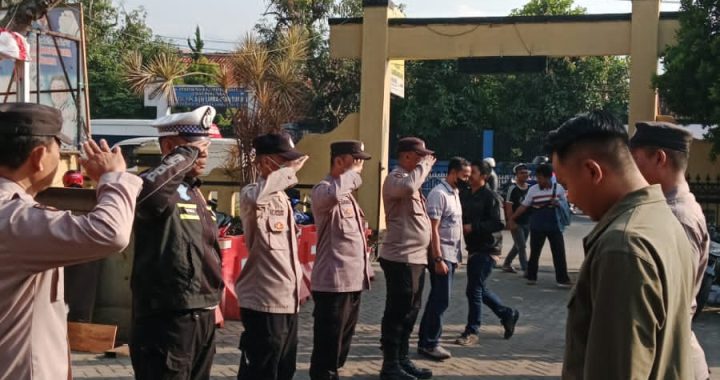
(341, 262)
(270, 280)
(35, 243)
(443, 204)
(690, 215)
(408, 226)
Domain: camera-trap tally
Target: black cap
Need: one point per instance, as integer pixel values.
(273, 143)
(29, 119)
(661, 134)
(413, 144)
(353, 147)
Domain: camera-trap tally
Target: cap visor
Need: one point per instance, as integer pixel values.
(362, 156)
(291, 155)
(64, 138)
(195, 137)
(424, 152)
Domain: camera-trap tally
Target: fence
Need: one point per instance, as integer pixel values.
(707, 193)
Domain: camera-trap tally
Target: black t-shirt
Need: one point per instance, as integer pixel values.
(516, 195)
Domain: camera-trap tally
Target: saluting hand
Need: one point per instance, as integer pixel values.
(430, 159)
(100, 159)
(298, 164)
(357, 165)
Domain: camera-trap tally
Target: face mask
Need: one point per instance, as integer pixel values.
(460, 184)
(276, 164)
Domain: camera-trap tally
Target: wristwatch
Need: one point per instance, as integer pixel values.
(438, 259)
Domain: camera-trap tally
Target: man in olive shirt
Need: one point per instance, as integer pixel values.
(341, 270)
(404, 256)
(661, 151)
(628, 313)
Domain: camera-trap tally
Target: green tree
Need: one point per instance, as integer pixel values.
(334, 89)
(110, 35)
(21, 13)
(196, 45)
(690, 85)
(452, 108)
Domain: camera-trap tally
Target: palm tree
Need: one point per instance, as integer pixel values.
(273, 77)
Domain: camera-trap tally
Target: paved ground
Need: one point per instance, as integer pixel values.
(535, 352)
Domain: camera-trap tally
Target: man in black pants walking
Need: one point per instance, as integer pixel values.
(403, 257)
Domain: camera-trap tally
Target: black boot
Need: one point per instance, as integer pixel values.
(409, 366)
(391, 370)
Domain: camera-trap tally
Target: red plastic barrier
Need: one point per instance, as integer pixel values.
(234, 254)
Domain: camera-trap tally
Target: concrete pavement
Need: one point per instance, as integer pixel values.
(535, 352)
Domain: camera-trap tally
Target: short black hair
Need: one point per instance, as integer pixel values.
(483, 167)
(545, 170)
(15, 150)
(457, 163)
(519, 167)
(598, 133)
(677, 159)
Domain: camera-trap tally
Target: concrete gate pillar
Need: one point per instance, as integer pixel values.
(644, 50)
(374, 128)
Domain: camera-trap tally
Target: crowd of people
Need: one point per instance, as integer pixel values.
(628, 315)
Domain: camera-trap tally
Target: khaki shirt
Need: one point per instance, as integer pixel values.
(408, 226)
(341, 262)
(270, 280)
(689, 213)
(628, 314)
(35, 243)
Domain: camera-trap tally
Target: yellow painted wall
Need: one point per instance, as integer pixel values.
(443, 41)
(317, 146)
(700, 163)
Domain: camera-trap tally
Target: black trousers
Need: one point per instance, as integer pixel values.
(404, 283)
(173, 346)
(268, 345)
(336, 315)
(557, 248)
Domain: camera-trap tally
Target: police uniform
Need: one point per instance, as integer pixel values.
(341, 270)
(268, 290)
(36, 241)
(688, 212)
(176, 276)
(404, 256)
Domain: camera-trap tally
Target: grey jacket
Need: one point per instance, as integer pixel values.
(270, 280)
(408, 226)
(35, 243)
(341, 262)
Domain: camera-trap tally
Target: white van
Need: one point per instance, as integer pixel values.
(144, 152)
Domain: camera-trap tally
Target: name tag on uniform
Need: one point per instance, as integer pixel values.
(277, 212)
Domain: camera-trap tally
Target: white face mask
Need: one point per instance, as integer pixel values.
(275, 162)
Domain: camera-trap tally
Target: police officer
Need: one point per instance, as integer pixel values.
(269, 288)
(176, 276)
(341, 268)
(36, 241)
(404, 256)
(661, 151)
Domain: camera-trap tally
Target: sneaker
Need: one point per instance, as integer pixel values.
(436, 353)
(509, 324)
(564, 285)
(508, 269)
(531, 282)
(467, 339)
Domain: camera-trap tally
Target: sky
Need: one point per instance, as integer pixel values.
(224, 22)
